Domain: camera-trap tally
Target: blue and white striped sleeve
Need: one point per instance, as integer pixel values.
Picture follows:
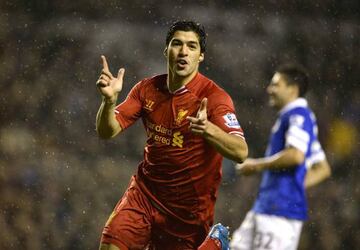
(297, 135)
(317, 154)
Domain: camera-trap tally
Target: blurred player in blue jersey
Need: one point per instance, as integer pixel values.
(294, 160)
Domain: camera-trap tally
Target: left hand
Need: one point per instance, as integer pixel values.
(199, 124)
(248, 167)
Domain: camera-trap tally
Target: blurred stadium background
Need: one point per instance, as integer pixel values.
(59, 182)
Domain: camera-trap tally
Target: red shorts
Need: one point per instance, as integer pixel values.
(136, 224)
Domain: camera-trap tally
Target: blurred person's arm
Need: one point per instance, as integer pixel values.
(109, 87)
(318, 168)
(287, 158)
(317, 173)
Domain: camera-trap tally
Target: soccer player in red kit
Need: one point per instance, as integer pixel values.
(190, 123)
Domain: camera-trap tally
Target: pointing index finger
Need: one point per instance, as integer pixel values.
(104, 62)
(203, 104)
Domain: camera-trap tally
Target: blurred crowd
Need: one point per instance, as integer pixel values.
(59, 181)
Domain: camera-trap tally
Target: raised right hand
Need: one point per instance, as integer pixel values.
(108, 85)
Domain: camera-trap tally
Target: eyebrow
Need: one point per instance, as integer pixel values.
(193, 42)
(189, 42)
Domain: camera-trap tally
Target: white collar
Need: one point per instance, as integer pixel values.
(299, 102)
(180, 90)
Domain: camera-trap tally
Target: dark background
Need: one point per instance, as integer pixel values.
(59, 181)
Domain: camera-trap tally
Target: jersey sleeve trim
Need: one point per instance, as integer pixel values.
(297, 138)
(317, 155)
(119, 118)
(237, 133)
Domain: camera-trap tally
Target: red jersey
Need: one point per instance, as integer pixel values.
(180, 172)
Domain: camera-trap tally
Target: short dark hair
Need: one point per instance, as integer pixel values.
(295, 74)
(188, 26)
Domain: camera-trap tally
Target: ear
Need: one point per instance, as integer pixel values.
(295, 91)
(201, 57)
(165, 52)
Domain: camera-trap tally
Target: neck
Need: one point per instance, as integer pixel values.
(288, 101)
(175, 82)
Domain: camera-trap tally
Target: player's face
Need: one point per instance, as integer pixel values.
(184, 54)
(280, 93)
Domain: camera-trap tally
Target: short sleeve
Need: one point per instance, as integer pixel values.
(298, 135)
(222, 114)
(129, 110)
(317, 154)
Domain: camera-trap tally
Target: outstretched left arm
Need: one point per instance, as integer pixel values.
(230, 146)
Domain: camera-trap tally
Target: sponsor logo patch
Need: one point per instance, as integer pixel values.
(177, 140)
(231, 121)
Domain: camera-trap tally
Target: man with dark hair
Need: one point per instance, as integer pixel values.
(188, 26)
(190, 123)
(295, 74)
(293, 161)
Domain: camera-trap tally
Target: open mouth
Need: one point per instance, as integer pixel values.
(181, 62)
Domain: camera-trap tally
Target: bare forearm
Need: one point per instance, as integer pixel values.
(230, 146)
(287, 158)
(106, 123)
(317, 174)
